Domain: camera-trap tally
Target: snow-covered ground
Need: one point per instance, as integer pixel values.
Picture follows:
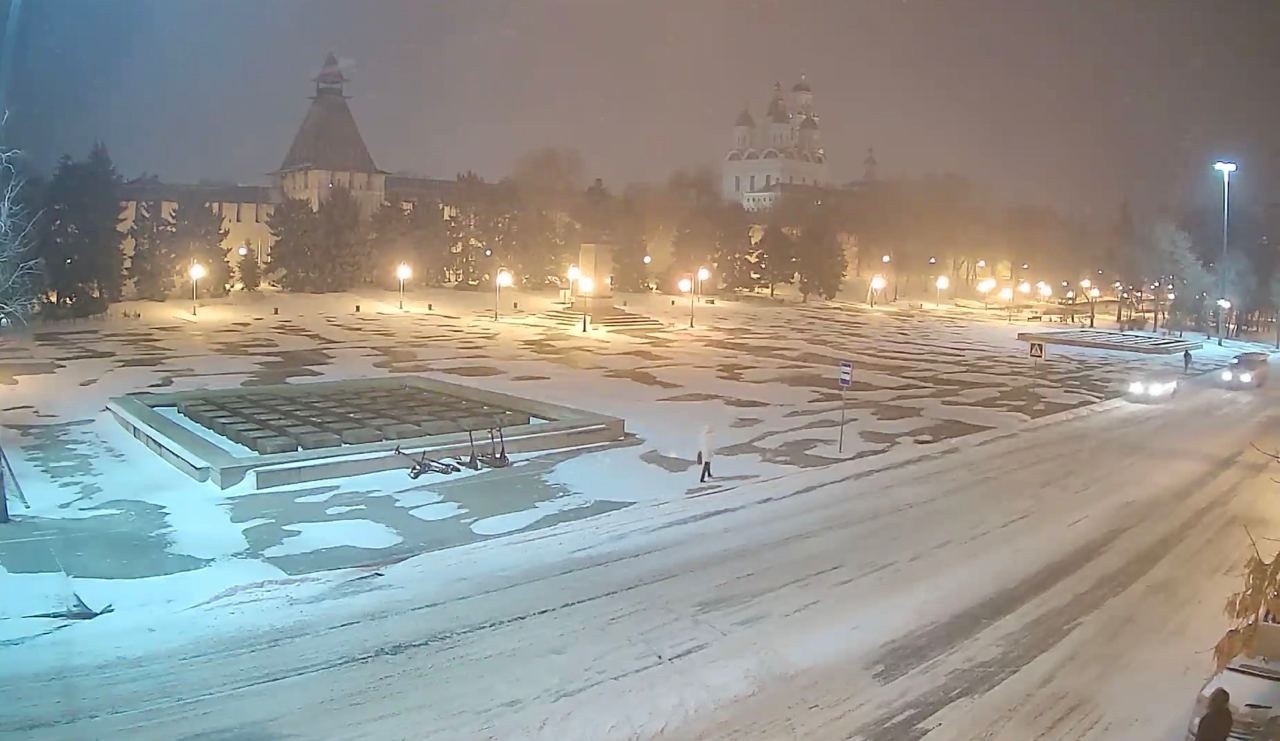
(959, 568)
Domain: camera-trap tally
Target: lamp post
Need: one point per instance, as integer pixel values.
(500, 281)
(1045, 290)
(403, 273)
(877, 284)
(585, 286)
(985, 287)
(196, 271)
(940, 285)
(686, 286)
(703, 274)
(1006, 295)
(1226, 168)
(1223, 307)
(1086, 285)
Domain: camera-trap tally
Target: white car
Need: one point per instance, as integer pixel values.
(1148, 390)
(1254, 686)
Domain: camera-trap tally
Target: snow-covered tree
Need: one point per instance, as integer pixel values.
(153, 268)
(19, 268)
(197, 234)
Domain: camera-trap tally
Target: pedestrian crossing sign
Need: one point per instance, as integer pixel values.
(1037, 350)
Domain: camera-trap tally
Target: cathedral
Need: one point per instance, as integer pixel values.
(785, 148)
(327, 151)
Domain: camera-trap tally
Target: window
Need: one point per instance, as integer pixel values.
(753, 183)
(238, 205)
(737, 183)
(768, 180)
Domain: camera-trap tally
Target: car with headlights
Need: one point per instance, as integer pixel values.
(1152, 389)
(1253, 684)
(1246, 370)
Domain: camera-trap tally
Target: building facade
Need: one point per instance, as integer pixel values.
(327, 152)
(784, 148)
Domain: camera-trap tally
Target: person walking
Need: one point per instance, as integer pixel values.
(1215, 724)
(1186, 361)
(705, 450)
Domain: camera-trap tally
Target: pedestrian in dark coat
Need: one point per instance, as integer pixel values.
(1215, 724)
(706, 449)
(1186, 361)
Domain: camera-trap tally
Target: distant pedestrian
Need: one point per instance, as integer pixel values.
(1215, 724)
(706, 450)
(1186, 361)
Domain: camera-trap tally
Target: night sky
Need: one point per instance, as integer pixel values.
(1075, 104)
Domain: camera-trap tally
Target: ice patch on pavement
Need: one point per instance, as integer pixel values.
(315, 536)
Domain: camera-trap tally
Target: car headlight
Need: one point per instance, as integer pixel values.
(1226, 375)
(1136, 387)
(1246, 378)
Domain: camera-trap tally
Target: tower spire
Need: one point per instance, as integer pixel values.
(330, 80)
(869, 165)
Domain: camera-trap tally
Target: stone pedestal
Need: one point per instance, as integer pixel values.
(595, 261)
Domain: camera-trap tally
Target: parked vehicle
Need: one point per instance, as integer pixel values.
(1152, 389)
(1254, 686)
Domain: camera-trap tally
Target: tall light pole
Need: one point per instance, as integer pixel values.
(686, 286)
(196, 272)
(985, 287)
(941, 284)
(585, 286)
(1226, 168)
(877, 284)
(502, 280)
(1006, 294)
(403, 273)
(703, 275)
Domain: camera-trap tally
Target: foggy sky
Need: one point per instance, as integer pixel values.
(1073, 104)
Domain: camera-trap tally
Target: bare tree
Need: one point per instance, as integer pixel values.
(19, 266)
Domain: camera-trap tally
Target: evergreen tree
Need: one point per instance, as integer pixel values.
(630, 248)
(294, 227)
(341, 249)
(820, 259)
(79, 241)
(197, 234)
(153, 268)
(778, 257)
(736, 257)
(250, 271)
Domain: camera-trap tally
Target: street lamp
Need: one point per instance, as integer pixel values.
(1226, 168)
(885, 259)
(585, 286)
(242, 250)
(703, 274)
(1024, 288)
(1223, 307)
(686, 286)
(877, 284)
(1045, 290)
(196, 272)
(986, 286)
(502, 280)
(403, 273)
(941, 284)
(1006, 295)
(647, 259)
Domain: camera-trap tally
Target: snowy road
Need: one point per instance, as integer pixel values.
(1064, 582)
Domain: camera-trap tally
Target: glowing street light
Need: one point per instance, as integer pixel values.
(986, 286)
(686, 286)
(1086, 284)
(647, 259)
(982, 263)
(502, 280)
(1024, 288)
(885, 259)
(877, 284)
(403, 273)
(941, 284)
(196, 271)
(574, 273)
(1226, 168)
(703, 275)
(585, 286)
(1045, 290)
(1006, 295)
(242, 250)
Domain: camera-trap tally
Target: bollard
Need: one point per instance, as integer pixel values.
(275, 310)
(624, 304)
(515, 306)
(428, 307)
(357, 308)
(673, 302)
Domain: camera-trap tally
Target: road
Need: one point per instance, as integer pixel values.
(1063, 582)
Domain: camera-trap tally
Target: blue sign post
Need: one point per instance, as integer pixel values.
(846, 380)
